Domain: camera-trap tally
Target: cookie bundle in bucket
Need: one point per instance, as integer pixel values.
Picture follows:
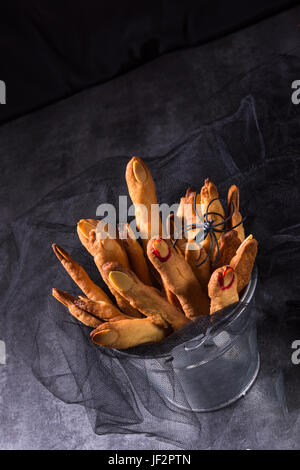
(173, 277)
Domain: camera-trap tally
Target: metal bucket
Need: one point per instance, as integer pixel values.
(219, 368)
(212, 370)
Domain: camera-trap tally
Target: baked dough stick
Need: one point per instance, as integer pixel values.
(173, 232)
(222, 288)
(243, 261)
(194, 255)
(136, 256)
(103, 251)
(103, 310)
(146, 299)
(69, 301)
(141, 188)
(127, 333)
(180, 247)
(89, 311)
(84, 226)
(79, 276)
(142, 191)
(187, 213)
(233, 202)
(179, 277)
(228, 244)
(209, 192)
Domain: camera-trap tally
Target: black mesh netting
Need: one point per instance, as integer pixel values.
(256, 148)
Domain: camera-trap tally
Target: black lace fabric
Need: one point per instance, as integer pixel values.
(256, 148)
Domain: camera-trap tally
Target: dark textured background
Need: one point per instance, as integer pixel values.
(50, 50)
(142, 112)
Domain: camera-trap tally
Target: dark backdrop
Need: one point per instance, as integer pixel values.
(144, 112)
(52, 49)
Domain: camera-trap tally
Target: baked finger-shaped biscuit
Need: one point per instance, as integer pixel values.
(195, 255)
(79, 276)
(228, 244)
(101, 247)
(175, 232)
(180, 246)
(103, 251)
(233, 201)
(125, 334)
(222, 288)
(179, 277)
(186, 212)
(210, 201)
(243, 261)
(103, 310)
(81, 315)
(171, 298)
(142, 191)
(146, 299)
(136, 256)
(84, 227)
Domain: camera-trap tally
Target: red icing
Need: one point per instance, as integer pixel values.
(222, 276)
(163, 259)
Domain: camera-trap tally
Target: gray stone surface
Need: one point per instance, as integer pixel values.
(142, 112)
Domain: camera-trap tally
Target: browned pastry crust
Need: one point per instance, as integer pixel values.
(141, 188)
(187, 213)
(180, 247)
(208, 193)
(228, 245)
(146, 299)
(196, 256)
(175, 232)
(81, 315)
(127, 333)
(172, 299)
(79, 276)
(104, 251)
(243, 261)
(222, 288)
(105, 311)
(84, 227)
(136, 256)
(233, 201)
(142, 191)
(179, 277)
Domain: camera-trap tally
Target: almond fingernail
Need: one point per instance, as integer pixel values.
(85, 227)
(61, 253)
(139, 171)
(105, 337)
(120, 280)
(63, 297)
(250, 237)
(161, 249)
